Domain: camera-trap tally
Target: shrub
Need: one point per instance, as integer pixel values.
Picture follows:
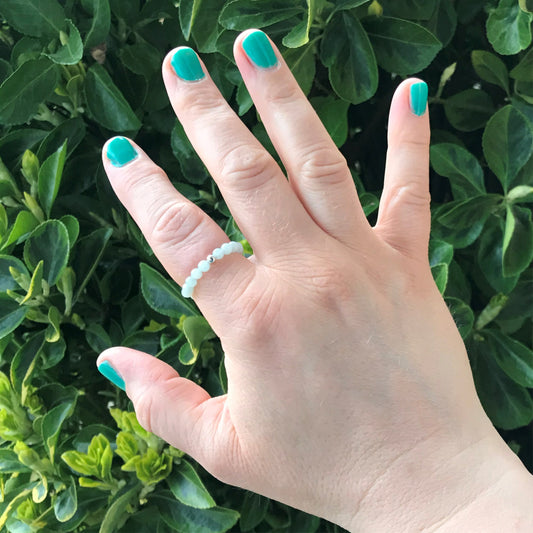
(76, 275)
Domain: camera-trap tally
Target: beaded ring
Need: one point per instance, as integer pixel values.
(204, 265)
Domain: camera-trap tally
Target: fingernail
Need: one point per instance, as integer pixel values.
(111, 374)
(259, 50)
(419, 97)
(120, 152)
(186, 65)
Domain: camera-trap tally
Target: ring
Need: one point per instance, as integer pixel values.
(204, 265)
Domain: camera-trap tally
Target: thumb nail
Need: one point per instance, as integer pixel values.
(111, 374)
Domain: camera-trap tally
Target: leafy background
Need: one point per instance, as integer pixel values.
(76, 275)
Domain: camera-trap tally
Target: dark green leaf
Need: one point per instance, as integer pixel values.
(11, 315)
(509, 28)
(51, 426)
(440, 276)
(162, 295)
(517, 240)
(443, 22)
(34, 17)
(462, 315)
(334, 115)
(106, 103)
(66, 503)
(48, 242)
(24, 362)
(348, 54)
(491, 68)
(5, 70)
(73, 228)
(188, 11)
(30, 85)
(141, 58)
(348, 4)
(191, 165)
(188, 488)
(507, 143)
(409, 9)
(301, 61)
(440, 252)
(6, 279)
(100, 23)
(243, 14)
(253, 510)
(460, 167)
(9, 462)
(461, 213)
(401, 46)
(50, 175)
(469, 110)
(71, 50)
(524, 70)
(116, 513)
(197, 330)
(72, 130)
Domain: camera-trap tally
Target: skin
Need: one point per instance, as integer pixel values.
(350, 395)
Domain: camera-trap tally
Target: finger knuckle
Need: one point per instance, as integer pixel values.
(325, 163)
(201, 102)
(286, 92)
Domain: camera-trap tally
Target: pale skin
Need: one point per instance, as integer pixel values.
(349, 395)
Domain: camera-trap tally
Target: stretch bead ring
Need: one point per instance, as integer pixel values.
(204, 265)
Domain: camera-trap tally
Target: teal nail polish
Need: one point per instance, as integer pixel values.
(259, 50)
(120, 152)
(111, 374)
(186, 65)
(419, 97)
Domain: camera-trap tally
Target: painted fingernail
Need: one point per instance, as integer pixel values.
(111, 374)
(419, 97)
(259, 50)
(186, 64)
(120, 152)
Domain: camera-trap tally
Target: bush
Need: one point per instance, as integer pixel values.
(76, 275)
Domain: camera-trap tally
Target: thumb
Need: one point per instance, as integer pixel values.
(174, 408)
(404, 216)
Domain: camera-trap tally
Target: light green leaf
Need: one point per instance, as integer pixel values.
(520, 193)
(188, 11)
(299, 35)
(401, 46)
(509, 28)
(30, 85)
(243, 14)
(53, 332)
(24, 224)
(469, 110)
(188, 488)
(348, 54)
(162, 295)
(507, 143)
(460, 167)
(517, 240)
(36, 283)
(66, 503)
(100, 23)
(106, 103)
(11, 315)
(50, 178)
(491, 68)
(34, 17)
(48, 242)
(71, 50)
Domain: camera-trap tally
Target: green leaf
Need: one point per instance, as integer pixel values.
(401, 46)
(190, 163)
(30, 85)
(253, 510)
(443, 22)
(5, 70)
(24, 362)
(162, 295)
(243, 14)
(462, 315)
(188, 488)
(440, 252)
(6, 279)
(37, 18)
(339, 5)
(348, 54)
(116, 514)
(106, 103)
(100, 23)
(66, 503)
(11, 315)
(520, 193)
(299, 35)
(9, 462)
(73, 227)
(409, 9)
(507, 143)
(51, 426)
(524, 70)
(36, 283)
(460, 213)
(187, 519)
(509, 28)
(71, 131)
(71, 50)
(24, 224)
(141, 58)
(440, 276)
(188, 12)
(517, 240)
(53, 331)
(491, 310)
(50, 178)
(469, 110)
(334, 115)
(491, 68)
(301, 61)
(48, 242)
(460, 167)
(97, 338)
(197, 330)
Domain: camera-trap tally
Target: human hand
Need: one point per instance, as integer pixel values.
(349, 390)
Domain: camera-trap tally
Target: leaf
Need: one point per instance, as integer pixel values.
(73, 228)
(190, 163)
(459, 214)
(162, 295)
(11, 315)
(72, 131)
(507, 143)
(24, 362)
(491, 68)
(71, 50)
(38, 18)
(24, 224)
(524, 70)
(509, 28)
(100, 23)
(469, 110)
(48, 242)
(6, 279)
(253, 510)
(348, 4)
(188, 11)
(440, 252)
(409, 9)
(50, 178)
(9, 462)
(197, 330)
(188, 488)
(53, 331)
(443, 22)
(401, 46)
(440, 276)
(460, 167)
(243, 14)
(66, 503)
(348, 54)
(36, 283)
(116, 513)
(52, 423)
(334, 115)
(462, 315)
(517, 240)
(141, 58)
(301, 61)
(20, 94)
(106, 103)
(299, 35)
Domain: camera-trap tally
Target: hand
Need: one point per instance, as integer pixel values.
(349, 390)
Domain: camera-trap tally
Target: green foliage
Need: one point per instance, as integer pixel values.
(76, 275)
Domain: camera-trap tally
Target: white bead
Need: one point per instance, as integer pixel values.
(204, 266)
(218, 253)
(237, 247)
(196, 273)
(227, 248)
(191, 281)
(186, 291)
